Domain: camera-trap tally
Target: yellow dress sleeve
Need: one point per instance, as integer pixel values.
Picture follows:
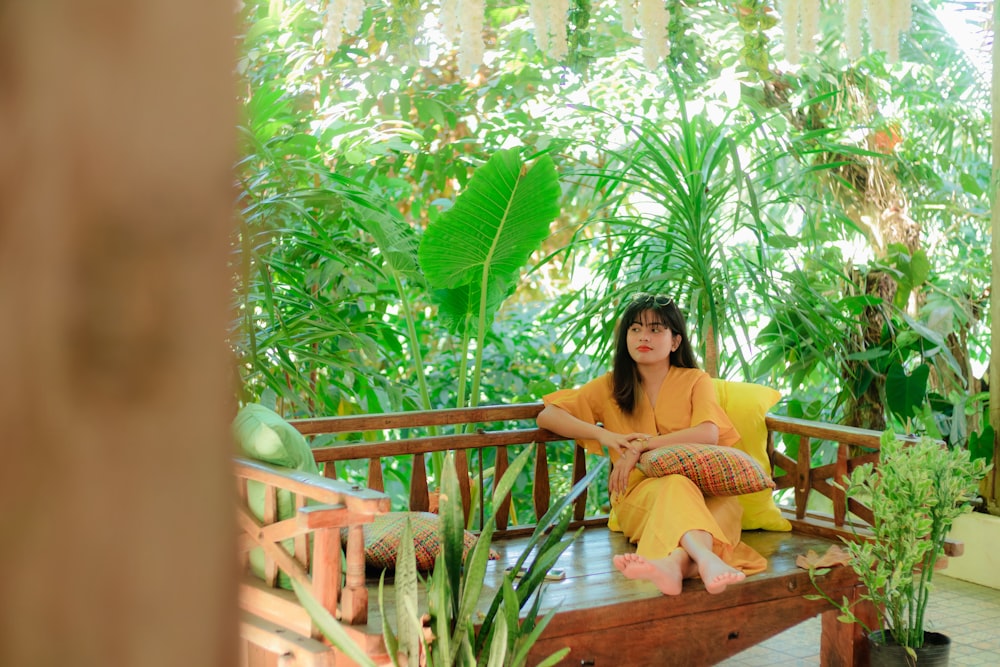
(705, 408)
(588, 403)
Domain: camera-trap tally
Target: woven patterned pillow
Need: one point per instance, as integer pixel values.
(382, 539)
(716, 469)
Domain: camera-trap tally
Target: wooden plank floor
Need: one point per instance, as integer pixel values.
(599, 608)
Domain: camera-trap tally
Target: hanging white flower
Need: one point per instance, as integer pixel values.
(900, 18)
(853, 10)
(353, 13)
(539, 15)
(334, 22)
(653, 21)
(449, 20)
(628, 15)
(809, 25)
(558, 18)
(878, 24)
(790, 23)
(470, 44)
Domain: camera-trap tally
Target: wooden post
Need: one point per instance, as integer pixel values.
(992, 482)
(116, 145)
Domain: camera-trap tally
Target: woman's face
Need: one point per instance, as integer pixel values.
(650, 340)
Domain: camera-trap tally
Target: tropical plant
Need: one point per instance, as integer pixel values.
(917, 491)
(450, 636)
(474, 252)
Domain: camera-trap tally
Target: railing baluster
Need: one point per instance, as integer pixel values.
(419, 495)
(502, 513)
(802, 481)
(301, 541)
(270, 516)
(375, 479)
(579, 470)
(462, 470)
(541, 488)
(326, 578)
(839, 496)
(354, 599)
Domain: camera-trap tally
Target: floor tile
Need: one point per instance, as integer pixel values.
(967, 613)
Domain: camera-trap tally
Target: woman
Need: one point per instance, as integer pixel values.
(656, 396)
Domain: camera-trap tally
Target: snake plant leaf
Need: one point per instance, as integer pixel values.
(501, 217)
(391, 641)
(452, 524)
(408, 625)
(331, 628)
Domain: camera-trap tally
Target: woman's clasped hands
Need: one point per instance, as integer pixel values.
(629, 448)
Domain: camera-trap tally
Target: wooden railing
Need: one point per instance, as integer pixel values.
(854, 447)
(341, 506)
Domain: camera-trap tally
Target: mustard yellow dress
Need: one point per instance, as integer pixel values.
(654, 513)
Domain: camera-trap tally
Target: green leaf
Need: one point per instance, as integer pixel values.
(452, 525)
(498, 647)
(981, 444)
(904, 394)
(408, 626)
(391, 642)
(331, 627)
(500, 218)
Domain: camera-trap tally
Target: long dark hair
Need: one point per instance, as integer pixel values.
(625, 373)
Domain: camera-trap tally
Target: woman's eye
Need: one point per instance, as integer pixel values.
(657, 329)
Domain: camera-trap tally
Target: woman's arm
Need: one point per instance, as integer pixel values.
(563, 423)
(705, 433)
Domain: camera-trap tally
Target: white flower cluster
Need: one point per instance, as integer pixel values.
(549, 17)
(342, 15)
(893, 19)
(790, 28)
(887, 20)
(628, 15)
(449, 19)
(653, 21)
(853, 10)
(470, 38)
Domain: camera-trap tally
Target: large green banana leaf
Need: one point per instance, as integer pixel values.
(473, 253)
(486, 238)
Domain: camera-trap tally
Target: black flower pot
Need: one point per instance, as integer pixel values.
(887, 653)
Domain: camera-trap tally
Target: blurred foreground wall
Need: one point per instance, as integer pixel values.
(116, 142)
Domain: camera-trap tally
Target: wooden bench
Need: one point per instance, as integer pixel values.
(603, 617)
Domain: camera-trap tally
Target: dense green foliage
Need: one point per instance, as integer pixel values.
(825, 225)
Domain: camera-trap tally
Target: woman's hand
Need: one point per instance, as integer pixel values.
(638, 443)
(616, 442)
(618, 481)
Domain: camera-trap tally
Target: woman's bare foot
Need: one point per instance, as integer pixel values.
(714, 572)
(717, 575)
(666, 573)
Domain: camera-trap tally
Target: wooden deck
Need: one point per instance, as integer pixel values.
(603, 618)
(631, 622)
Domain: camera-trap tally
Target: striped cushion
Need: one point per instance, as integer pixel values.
(716, 469)
(382, 539)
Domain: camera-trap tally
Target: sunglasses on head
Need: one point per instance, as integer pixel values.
(652, 299)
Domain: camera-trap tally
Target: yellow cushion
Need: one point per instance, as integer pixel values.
(746, 404)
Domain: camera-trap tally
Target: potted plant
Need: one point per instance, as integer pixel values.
(918, 489)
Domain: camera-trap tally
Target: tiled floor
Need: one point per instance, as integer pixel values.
(967, 613)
